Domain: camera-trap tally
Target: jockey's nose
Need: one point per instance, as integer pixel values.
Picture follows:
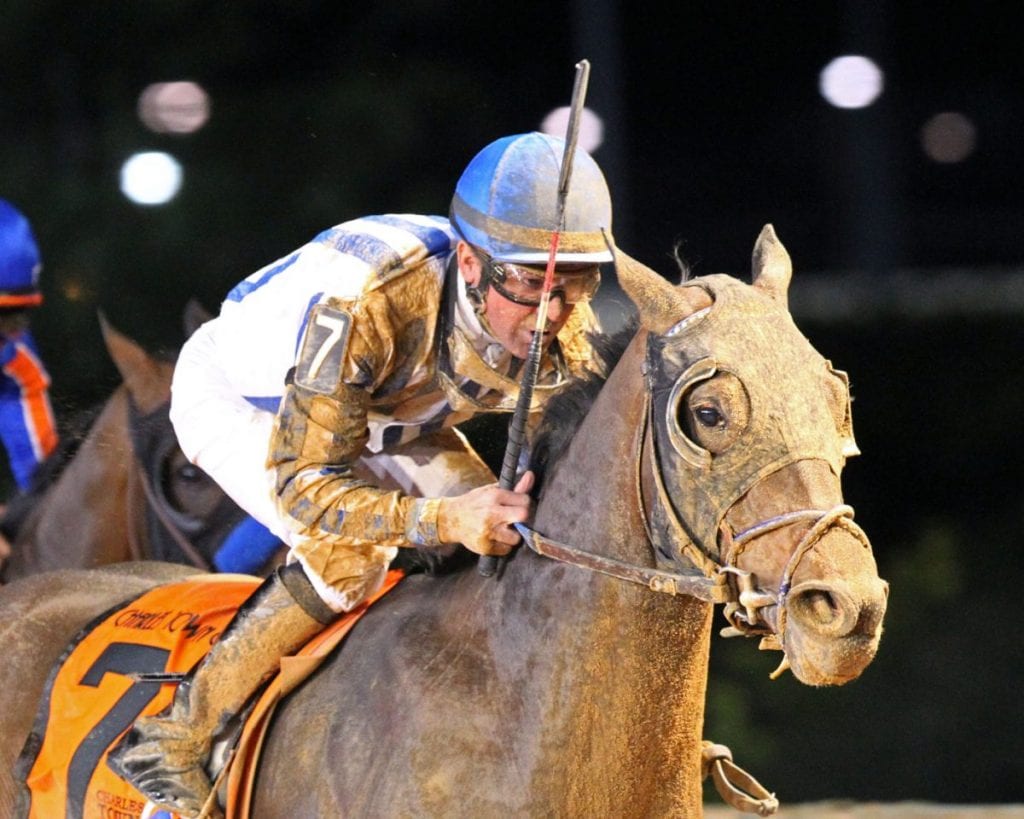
(557, 308)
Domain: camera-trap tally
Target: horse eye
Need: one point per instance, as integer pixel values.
(190, 472)
(708, 416)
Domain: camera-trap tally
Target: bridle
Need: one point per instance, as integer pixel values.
(171, 532)
(745, 612)
(745, 602)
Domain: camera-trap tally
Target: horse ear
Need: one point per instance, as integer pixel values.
(194, 315)
(146, 378)
(771, 265)
(662, 305)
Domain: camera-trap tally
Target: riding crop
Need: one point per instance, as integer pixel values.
(488, 564)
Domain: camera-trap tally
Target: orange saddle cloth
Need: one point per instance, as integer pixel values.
(111, 675)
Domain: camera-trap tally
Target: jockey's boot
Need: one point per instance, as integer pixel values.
(164, 756)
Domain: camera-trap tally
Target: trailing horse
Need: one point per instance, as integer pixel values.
(705, 470)
(122, 490)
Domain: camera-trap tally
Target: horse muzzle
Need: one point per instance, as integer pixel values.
(831, 629)
(828, 623)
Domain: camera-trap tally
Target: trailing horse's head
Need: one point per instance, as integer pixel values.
(751, 429)
(186, 514)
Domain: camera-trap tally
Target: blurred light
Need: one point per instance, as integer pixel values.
(851, 82)
(73, 290)
(151, 178)
(948, 137)
(174, 107)
(591, 127)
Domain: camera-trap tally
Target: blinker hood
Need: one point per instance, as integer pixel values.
(787, 385)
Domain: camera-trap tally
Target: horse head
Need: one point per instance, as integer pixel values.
(750, 428)
(187, 513)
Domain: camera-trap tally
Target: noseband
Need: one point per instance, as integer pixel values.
(744, 613)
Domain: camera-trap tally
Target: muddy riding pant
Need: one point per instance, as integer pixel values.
(228, 437)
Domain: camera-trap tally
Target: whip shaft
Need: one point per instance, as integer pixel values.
(487, 565)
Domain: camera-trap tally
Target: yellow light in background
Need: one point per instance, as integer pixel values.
(174, 107)
(72, 289)
(851, 81)
(591, 127)
(948, 137)
(151, 178)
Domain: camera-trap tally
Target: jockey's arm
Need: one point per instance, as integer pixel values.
(320, 433)
(27, 427)
(317, 440)
(316, 443)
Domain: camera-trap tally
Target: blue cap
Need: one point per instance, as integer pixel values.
(506, 202)
(19, 260)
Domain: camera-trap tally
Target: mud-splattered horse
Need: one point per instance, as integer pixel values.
(706, 469)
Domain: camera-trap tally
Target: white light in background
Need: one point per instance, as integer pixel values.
(948, 137)
(851, 81)
(591, 127)
(151, 178)
(174, 107)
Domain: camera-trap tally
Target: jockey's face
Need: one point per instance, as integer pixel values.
(512, 324)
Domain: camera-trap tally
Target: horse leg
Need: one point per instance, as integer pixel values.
(5, 552)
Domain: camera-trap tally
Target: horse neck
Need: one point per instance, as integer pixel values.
(621, 670)
(594, 483)
(84, 519)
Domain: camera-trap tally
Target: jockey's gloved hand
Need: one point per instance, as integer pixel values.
(481, 520)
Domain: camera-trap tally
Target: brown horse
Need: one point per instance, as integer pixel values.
(705, 469)
(124, 490)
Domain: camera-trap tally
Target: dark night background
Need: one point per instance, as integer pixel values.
(909, 273)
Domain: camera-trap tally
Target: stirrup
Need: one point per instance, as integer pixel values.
(737, 788)
(210, 809)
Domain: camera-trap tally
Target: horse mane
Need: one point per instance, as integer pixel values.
(564, 412)
(559, 422)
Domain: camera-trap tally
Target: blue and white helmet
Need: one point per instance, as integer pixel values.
(19, 260)
(506, 202)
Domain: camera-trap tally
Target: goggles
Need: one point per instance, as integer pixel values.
(524, 285)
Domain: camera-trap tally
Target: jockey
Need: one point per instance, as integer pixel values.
(324, 399)
(27, 425)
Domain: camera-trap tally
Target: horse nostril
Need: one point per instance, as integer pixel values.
(825, 610)
(819, 606)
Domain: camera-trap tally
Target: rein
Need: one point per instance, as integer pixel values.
(156, 507)
(708, 589)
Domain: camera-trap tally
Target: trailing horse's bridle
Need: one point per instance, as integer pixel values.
(173, 535)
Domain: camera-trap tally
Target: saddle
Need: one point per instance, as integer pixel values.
(126, 664)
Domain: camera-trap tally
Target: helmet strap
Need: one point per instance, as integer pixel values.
(477, 294)
(478, 298)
